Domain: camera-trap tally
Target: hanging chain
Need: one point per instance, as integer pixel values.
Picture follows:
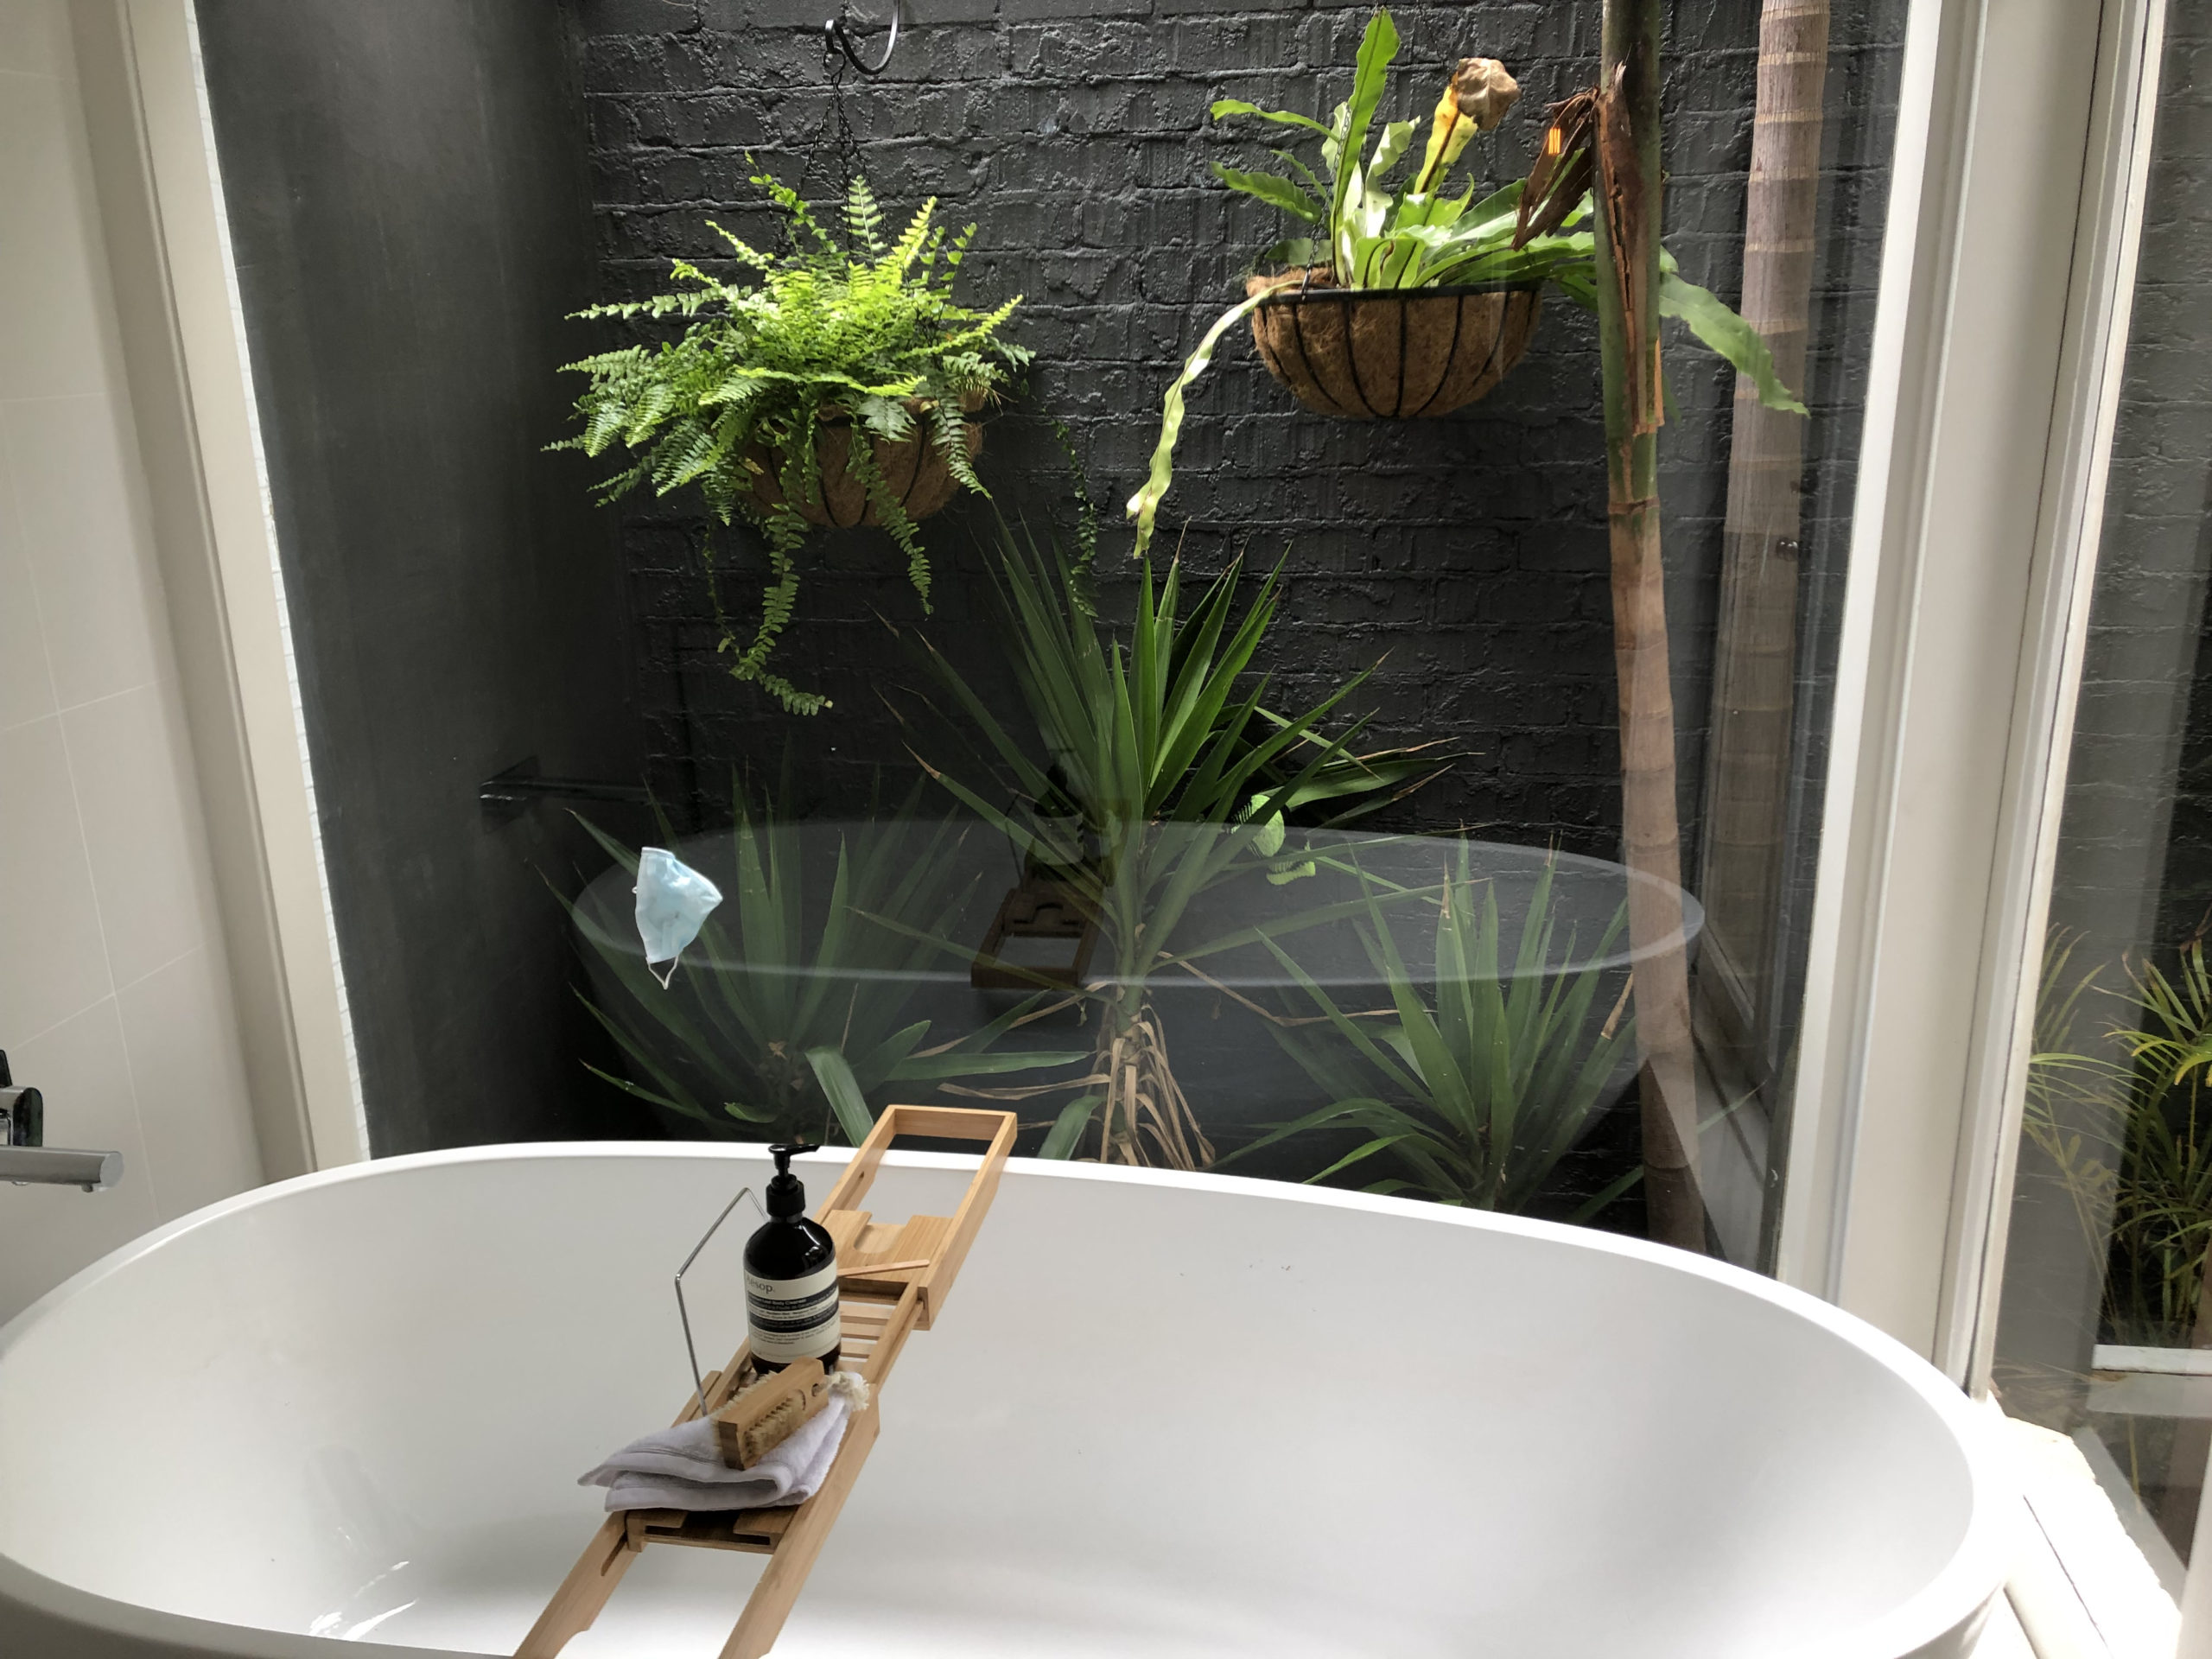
(835, 134)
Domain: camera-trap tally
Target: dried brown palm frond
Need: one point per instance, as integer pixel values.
(1564, 165)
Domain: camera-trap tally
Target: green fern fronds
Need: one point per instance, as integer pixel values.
(864, 334)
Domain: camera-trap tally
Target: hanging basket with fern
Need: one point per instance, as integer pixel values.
(757, 403)
(1395, 354)
(916, 474)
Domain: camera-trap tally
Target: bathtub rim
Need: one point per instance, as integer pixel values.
(605, 892)
(1955, 1599)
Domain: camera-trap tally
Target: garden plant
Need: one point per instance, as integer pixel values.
(836, 386)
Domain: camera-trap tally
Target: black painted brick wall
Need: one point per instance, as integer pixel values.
(1467, 555)
(2135, 869)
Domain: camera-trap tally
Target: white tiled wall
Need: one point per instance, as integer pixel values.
(114, 995)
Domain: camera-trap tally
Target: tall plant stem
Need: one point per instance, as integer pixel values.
(1145, 1118)
(1628, 330)
(1755, 655)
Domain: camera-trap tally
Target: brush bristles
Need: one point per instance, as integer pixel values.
(773, 1430)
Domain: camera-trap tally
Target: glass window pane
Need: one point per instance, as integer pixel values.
(1410, 962)
(2104, 1333)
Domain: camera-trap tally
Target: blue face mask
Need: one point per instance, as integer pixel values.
(673, 903)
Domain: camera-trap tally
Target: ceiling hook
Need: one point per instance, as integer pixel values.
(834, 30)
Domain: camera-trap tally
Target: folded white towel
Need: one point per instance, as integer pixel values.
(680, 1468)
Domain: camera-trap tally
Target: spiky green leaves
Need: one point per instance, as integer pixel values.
(794, 1019)
(1489, 1072)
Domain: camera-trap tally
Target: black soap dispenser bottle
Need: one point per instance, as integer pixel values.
(791, 1277)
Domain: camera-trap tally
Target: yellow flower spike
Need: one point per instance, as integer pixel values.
(1474, 100)
(1435, 159)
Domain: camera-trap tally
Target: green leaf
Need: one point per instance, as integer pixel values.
(1269, 841)
(1067, 1130)
(1276, 193)
(1328, 1116)
(1377, 47)
(1389, 148)
(1727, 334)
(1381, 1143)
(1225, 107)
(844, 1090)
(1587, 1212)
(962, 1063)
(1144, 505)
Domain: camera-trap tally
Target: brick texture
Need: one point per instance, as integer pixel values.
(1463, 559)
(2135, 862)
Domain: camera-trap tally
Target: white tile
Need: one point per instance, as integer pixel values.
(182, 1034)
(54, 338)
(132, 764)
(26, 687)
(35, 37)
(47, 1233)
(52, 960)
(85, 540)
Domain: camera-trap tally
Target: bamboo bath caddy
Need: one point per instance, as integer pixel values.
(891, 1280)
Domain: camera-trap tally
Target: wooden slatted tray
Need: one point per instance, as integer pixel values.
(892, 1278)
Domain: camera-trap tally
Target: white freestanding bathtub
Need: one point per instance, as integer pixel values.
(1162, 1416)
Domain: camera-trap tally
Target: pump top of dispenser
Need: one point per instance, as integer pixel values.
(786, 1193)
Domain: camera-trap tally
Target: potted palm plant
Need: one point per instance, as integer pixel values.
(1408, 302)
(838, 386)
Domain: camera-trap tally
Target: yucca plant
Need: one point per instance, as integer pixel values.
(1161, 775)
(860, 332)
(784, 1029)
(1472, 1097)
(1362, 232)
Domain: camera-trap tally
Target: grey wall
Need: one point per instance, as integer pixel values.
(407, 196)
(1467, 555)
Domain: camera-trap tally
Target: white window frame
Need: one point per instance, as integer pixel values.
(191, 401)
(1992, 396)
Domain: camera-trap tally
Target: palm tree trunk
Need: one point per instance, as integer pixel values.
(1628, 331)
(1755, 656)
